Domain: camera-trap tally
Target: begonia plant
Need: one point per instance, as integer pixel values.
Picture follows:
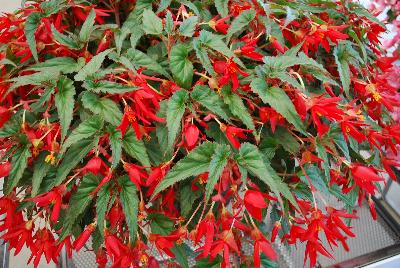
(191, 128)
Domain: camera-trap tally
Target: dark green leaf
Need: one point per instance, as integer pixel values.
(222, 7)
(31, 25)
(188, 26)
(195, 163)
(92, 66)
(86, 129)
(108, 87)
(140, 59)
(236, 106)
(65, 102)
(316, 177)
(251, 159)
(175, 109)
(116, 145)
(217, 165)
(135, 148)
(130, 203)
(164, 4)
(80, 200)
(19, 162)
(65, 40)
(241, 21)
(278, 100)
(65, 65)
(74, 155)
(103, 197)
(40, 170)
(343, 67)
(209, 99)
(187, 199)
(87, 26)
(152, 24)
(180, 65)
(104, 107)
(169, 23)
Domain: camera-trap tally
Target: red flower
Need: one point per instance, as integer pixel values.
(274, 118)
(230, 71)
(136, 175)
(5, 169)
(191, 135)
(225, 243)
(95, 165)
(219, 25)
(261, 244)
(232, 133)
(249, 49)
(84, 237)
(129, 118)
(107, 177)
(54, 197)
(255, 203)
(206, 228)
(5, 115)
(365, 178)
(19, 236)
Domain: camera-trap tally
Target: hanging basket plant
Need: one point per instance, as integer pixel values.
(190, 128)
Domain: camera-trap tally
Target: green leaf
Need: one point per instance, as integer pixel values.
(108, 87)
(250, 158)
(160, 224)
(135, 148)
(195, 163)
(316, 177)
(74, 155)
(40, 78)
(31, 24)
(210, 99)
(222, 7)
(152, 24)
(130, 203)
(340, 141)
(87, 27)
(65, 102)
(278, 100)
(187, 198)
(53, 6)
(19, 162)
(175, 109)
(40, 170)
(202, 55)
(116, 145)
(65, 40)
(237, 107)
(180, 256)
(215, 42)
(164, 4)
(104, 107)
(64, 65)
(79, 202)
(241, 21)
(217, 165)
(180, 65)
(343, 67)
(169, 23)
(140, 59)
(103, 197)
(86, 129)
(92, 66)
(11, 127)
(188, 26)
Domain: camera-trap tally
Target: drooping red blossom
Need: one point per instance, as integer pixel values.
(219, 25)
(233, 133)
(130, 119)
(54, 198)
(81, 240)
(261, 245)
(230, 70)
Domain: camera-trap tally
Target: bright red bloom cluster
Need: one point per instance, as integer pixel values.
(154, 125)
